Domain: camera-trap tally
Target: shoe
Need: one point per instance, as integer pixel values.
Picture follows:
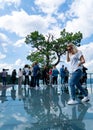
(72, 102)
(85, 99)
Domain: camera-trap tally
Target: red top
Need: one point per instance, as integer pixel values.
(50, 72)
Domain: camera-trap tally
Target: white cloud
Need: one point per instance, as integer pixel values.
(88, 54)
(20, 43)
(5, 47)
(16, 65)
(2, 56)
(19, 63)
(22, 23)
(49, 6)
(4, 42)
(3, 38)
(3, 3)
(6, 66)
(61, 16)
(18, 117)
(82, 14)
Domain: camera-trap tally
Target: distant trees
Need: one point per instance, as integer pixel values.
(47, 50)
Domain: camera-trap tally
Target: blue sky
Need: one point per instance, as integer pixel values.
(20, 17)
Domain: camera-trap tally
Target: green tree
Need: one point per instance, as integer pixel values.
(47, 50)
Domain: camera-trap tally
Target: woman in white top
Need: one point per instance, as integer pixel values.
(76, 58)
(20, 77)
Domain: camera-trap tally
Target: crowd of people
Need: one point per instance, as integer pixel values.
(31, 75)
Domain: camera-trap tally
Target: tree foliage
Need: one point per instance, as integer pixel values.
(48, 50)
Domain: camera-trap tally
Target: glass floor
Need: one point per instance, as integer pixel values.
(46, 108)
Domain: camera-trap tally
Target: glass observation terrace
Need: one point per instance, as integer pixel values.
(25, 108)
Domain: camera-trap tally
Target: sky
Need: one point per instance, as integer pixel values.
(18, 18)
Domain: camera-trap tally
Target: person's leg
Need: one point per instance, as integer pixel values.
(74, 81)
(34, 81)
(61, 80)
(78, 84)
(37, 81)
(56, 81)
(72, 86)
(53, 80)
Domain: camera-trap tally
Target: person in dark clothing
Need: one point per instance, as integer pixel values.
(32, 76)
(84, 75)
(36, 74)
(55, 73)
(4, 76)
(62, 74)
(13, 77)
(45, 74)
(66, 76)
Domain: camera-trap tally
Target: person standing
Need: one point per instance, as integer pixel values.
(55, 73)
(50, 76)
(45, 74)
(20, 76)
(62, 74)
(13, 77)
(77, 60)
(66, 78)
(4, 76)
(32, 76)
(26, 75)
(36, 74)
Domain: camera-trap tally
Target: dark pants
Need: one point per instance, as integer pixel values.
(26, 80)
(36, 81)
(55, 80)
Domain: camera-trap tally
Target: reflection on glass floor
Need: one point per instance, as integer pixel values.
(24, 108)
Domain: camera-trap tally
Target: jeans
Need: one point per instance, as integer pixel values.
(62, 79)
(75, 82)
(36, 81)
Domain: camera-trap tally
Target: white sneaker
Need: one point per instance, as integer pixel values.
(85, 99)
(72, 102)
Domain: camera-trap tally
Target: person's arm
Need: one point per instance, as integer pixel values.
(68, 58)
(82, 60)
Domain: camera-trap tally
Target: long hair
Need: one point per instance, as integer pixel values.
(73, 47)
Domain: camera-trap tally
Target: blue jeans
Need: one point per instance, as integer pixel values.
(36, 81)
(62, 79)
(75, 82)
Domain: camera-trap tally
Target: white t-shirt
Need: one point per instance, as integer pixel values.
(20, 73)
(75, 59)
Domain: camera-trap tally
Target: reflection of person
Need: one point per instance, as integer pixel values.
(3, 95)
(77, 60)
(20, 93)
(13, 93)
(78, 115)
